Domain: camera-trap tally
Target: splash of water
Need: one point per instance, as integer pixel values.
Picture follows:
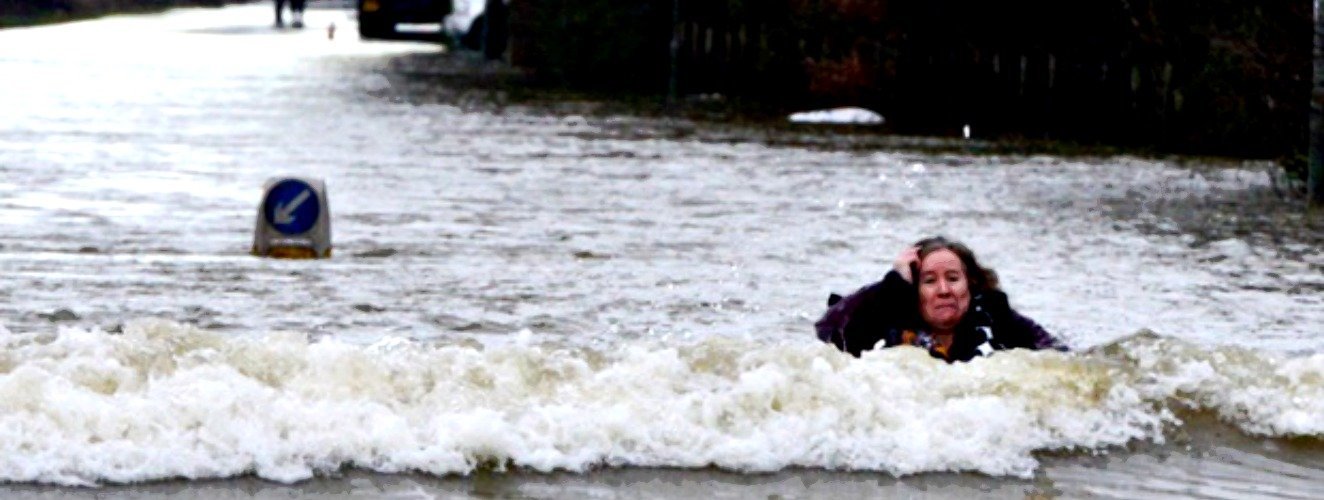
(165, 400)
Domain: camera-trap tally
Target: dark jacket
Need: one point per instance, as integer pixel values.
(888, 311)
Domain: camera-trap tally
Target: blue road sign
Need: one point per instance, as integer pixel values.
(291, 207)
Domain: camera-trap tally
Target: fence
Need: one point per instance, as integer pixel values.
(1220, 76)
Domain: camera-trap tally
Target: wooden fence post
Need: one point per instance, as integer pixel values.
(1316, 181)
(676, 30)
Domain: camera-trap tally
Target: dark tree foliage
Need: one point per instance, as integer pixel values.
(604, 44)
(1217, 76)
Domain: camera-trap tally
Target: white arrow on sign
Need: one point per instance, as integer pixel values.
(285, 213)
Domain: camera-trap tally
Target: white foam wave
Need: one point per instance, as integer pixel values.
(164, 400)
(1262, 392)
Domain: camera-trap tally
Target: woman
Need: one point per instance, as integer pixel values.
(936, 297)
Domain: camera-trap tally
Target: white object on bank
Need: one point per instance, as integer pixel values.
(841, 116)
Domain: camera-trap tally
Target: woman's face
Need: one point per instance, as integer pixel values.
(944, 291)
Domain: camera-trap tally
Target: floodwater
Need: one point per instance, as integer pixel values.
(531, 303)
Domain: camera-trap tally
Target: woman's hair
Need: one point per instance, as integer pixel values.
(981, 278)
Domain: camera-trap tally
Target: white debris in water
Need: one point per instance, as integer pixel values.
(1232, 248)
(374, 82)
(839, 116)
(574, 121)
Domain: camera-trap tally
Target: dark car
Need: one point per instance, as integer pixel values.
(379, 18)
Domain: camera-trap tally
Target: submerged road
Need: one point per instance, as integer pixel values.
(133, 150)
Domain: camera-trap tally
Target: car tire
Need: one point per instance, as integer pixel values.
(370, 28)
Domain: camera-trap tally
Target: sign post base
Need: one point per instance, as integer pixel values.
(293, 220)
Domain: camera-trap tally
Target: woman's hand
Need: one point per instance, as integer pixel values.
(909, 259)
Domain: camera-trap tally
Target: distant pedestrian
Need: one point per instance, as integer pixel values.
(296, 12)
